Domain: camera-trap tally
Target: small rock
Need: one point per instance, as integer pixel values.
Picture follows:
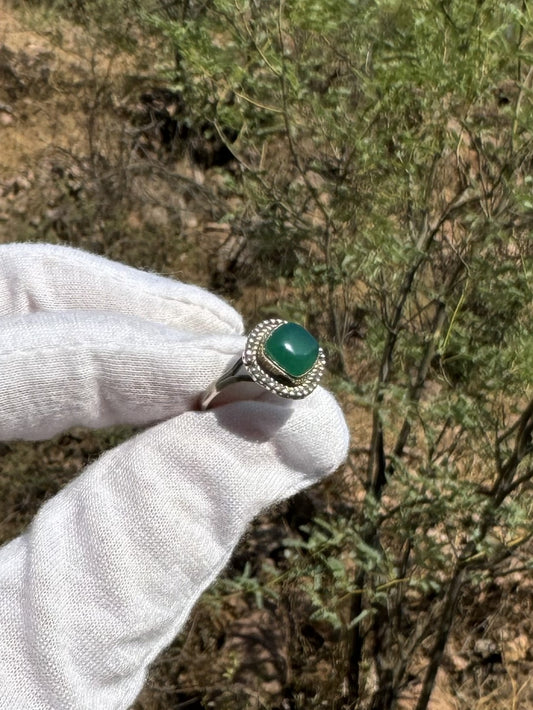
(157, 215)
(190, 221)
(517, 649)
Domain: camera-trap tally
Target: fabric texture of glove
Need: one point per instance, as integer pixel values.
(107, 573)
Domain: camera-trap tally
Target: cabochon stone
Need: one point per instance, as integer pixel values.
(292, 348)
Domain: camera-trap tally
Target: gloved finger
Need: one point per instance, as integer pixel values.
(45, 277)
(95, 369)
(111, 567)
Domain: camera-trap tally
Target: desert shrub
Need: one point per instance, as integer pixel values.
(387, 145)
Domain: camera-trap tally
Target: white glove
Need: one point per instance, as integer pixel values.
(110, 568)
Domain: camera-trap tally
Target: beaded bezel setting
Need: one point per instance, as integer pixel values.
(270, 373)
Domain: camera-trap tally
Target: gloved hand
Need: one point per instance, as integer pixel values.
(107, 573)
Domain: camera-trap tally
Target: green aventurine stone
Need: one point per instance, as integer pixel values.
(292, 349)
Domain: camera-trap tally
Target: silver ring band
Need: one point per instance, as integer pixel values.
(236, 373)
(280, 356)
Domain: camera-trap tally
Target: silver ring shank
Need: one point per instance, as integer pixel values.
(236, 373)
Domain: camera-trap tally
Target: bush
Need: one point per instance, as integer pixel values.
(387, 145)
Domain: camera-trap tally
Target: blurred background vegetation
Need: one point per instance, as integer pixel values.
(365, 168)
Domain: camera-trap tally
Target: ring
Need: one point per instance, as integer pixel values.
(280, 356)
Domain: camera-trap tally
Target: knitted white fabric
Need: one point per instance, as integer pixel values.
(110, 568)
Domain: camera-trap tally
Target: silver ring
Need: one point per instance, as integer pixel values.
(280, 356)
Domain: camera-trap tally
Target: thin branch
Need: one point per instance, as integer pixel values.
(441, 637)
(523, 431)
(417, 386)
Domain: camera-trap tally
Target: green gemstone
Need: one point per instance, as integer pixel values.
(292, 349)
